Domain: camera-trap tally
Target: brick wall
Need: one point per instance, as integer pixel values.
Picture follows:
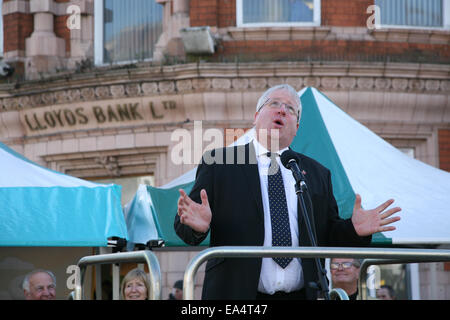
(16, 27)
(60, 27)
(223, 13)
(444, 149)
(19, 26)
(334, 13)
(204, 12)
(345, 13)
(61, 30)
(347, 50)
(444, 161)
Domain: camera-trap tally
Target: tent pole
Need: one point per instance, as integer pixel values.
(116, 281)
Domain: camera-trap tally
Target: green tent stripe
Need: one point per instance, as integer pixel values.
(164, 210)
(379, 238)
(314, 141)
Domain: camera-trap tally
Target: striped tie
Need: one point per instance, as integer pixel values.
(279, 217)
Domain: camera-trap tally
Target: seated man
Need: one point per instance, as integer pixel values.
(39, 285)
(345, 275)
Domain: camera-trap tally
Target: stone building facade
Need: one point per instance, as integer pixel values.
(68, 109)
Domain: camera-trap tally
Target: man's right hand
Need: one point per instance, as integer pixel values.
(197, 216)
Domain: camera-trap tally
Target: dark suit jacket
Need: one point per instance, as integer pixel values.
(234, 195)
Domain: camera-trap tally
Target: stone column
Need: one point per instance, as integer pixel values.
(170, 43)
(45, 52)
(81, 34)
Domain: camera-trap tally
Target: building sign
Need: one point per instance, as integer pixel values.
(102, 114)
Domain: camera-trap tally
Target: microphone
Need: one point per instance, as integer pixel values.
(289, 160)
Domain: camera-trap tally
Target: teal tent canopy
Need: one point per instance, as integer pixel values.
(42, 207)
(359, 161)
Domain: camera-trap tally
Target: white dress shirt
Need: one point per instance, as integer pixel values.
(274, 278)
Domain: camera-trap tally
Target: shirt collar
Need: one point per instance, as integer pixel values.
(261, 150)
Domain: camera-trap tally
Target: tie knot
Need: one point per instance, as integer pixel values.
(272, 155)
(273, 167)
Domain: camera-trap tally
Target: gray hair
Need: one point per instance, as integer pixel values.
(263, 99)
(26, 281)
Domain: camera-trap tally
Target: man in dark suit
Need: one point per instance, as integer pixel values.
(233, 199)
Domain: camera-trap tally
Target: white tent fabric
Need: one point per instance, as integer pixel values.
(378, 171)
(42, 207)
(24, 173)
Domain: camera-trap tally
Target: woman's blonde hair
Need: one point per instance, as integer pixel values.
(135, 274)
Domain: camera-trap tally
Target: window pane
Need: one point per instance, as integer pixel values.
(276, 11)
(416, 13)
(131, 29)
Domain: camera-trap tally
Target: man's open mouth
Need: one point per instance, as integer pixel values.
(279, 122)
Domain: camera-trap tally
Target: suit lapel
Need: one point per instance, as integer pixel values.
(251, 174)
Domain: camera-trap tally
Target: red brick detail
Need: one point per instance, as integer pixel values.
(345, 13)
(204, 12)
(227, 13)
(446, 266)
(336, 13)
(444, 149)
(346, 50)
(60, 27)
(16, 28)
(61, 30)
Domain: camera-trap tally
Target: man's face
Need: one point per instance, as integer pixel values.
(270, 117)
(383, 294)
(178, 293)
(41, 287)
(342, 274)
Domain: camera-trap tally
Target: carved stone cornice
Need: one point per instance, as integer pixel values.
(213, 77)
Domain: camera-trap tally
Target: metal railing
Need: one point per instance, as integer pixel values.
(363, 271)
(388, 254)
(144, 256)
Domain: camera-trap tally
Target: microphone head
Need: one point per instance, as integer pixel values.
(288, 156)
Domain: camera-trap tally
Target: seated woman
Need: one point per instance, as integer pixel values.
(135, 286)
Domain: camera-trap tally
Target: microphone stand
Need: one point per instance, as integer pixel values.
(322, 285)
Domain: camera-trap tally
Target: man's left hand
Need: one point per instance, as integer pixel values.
(367, 222)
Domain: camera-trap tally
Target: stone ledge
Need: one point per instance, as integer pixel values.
(211, 77)
(274, 33)
(430, 36)
(56, 8)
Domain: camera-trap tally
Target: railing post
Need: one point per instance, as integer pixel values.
(145, 256)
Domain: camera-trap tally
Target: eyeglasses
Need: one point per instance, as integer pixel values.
(345, 265)
(276, 104)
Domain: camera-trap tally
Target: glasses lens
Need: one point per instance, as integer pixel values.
(277, 104)
(345, 265)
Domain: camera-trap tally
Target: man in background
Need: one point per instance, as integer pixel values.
(39, 285)
(345, 275)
